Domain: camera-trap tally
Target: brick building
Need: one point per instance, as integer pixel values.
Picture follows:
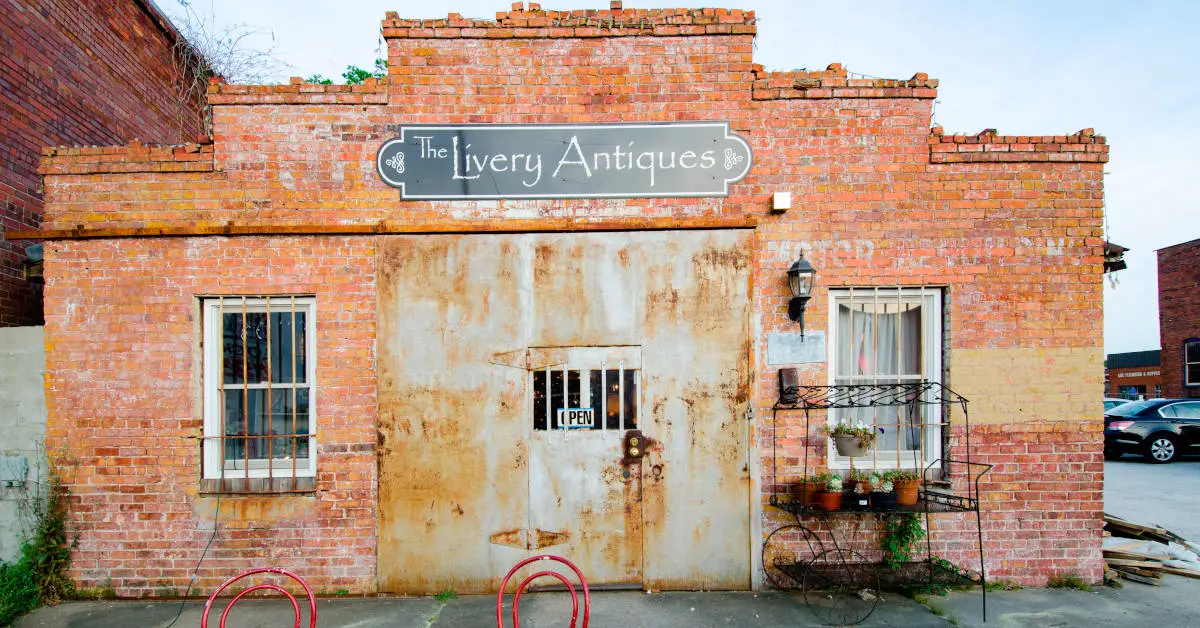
(1179, 318)
(1133, 375)
(94, 72)
(349, 328)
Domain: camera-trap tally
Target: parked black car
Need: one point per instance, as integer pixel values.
(1159, 429)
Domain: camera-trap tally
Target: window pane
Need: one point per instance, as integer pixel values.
(612, 399)
(1193, 352)
(573, 391)
(631, 397)
(285, 339)
(539, 400)
(234, 447)
(556, 397)
(231, 362)
(1188, 410)
(247, 416)
(596, 401)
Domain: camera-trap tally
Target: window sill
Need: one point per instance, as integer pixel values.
(257, 486)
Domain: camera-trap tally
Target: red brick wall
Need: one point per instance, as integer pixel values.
(1010, 226)
(123, 388)
(90, 72)
(1178, 311)
(1148, 376)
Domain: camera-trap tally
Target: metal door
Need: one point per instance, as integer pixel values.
(470, 483)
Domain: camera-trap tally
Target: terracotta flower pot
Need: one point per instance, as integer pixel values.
(850, 446)
(830, 500)
(806, 492)
(906, 492)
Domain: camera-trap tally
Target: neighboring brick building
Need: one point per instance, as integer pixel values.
(1133, 375)
(95, 72)
(369, 380)
(1179, 318)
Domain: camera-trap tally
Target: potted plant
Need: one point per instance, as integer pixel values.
(806, 490)
(860, 494)
(854, 478)
(883, 497)
(907, 483)
(852, 441)
(831, 497)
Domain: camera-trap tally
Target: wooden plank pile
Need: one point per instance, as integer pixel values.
(1136, 559)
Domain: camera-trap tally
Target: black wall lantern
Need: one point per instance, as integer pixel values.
(801, 277)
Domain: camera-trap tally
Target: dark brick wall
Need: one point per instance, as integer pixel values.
(1178, 311)
(79, 72)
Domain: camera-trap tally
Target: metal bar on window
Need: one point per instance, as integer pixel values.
(270, 406)
(549, 398)
(245, 394)
(621, 392)
(294, 438)
(604, 394)
(899, 363)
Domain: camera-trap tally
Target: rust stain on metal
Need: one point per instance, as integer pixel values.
(547, 538)
(510, 538)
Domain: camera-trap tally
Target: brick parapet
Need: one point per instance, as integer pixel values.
(134, 157)
(298, 92)
(1081, 147)
(536, 23)
(835, 82)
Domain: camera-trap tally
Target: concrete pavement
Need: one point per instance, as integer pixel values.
(627, 609)
(1175, 603)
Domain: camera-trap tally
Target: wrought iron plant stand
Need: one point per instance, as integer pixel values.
(839, 584)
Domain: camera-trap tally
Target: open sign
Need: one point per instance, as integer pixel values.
(575, 418)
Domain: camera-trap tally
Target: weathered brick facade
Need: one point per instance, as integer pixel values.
(287, 200)
(1178, 312)
(93, 72)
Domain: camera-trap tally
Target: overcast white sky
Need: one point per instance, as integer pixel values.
(1025, 67)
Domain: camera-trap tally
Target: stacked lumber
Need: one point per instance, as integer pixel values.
(1128, 529)
(1150, 552)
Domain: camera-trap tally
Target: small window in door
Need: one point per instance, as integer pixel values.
(587, 392)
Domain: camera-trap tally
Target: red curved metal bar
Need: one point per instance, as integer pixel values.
(312, 601)
(259, 587)
(524, 583)
(587, 600)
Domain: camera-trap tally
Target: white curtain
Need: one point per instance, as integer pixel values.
(881, 348)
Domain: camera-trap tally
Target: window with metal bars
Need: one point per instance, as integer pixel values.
(259, 363)
(882, 336)
(600, 384)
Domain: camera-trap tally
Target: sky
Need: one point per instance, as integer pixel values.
(1023, 67)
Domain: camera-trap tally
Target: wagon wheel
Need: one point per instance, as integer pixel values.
(841, 587)
(786, 553)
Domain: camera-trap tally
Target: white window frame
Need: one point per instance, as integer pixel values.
(1191, 370)
(213, 345)
(932, 331)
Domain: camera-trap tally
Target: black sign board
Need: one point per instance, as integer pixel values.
(563, 161)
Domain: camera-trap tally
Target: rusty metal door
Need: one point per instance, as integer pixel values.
(452, 433)
(478, 334)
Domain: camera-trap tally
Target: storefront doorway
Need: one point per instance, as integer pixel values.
(512, 370)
